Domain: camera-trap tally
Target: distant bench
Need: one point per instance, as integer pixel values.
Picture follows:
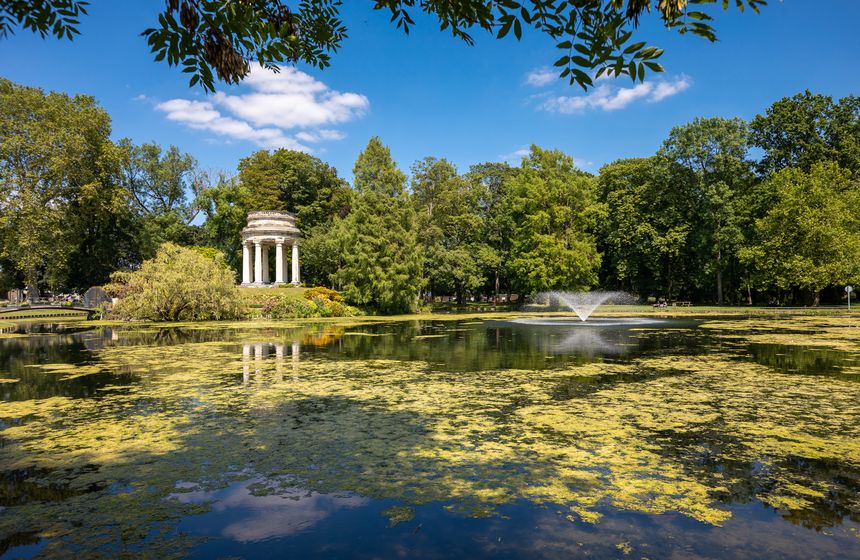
(673, 304)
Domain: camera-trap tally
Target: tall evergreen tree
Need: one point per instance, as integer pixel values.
(380, 252)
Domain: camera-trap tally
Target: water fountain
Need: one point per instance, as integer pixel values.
(581, 303)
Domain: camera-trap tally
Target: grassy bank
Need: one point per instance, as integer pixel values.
(448, 315)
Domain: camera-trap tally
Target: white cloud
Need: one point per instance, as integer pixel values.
(320, 135)
(540, 77)
(276, 103)
(611, 98)
(667, 89)
(515, 157)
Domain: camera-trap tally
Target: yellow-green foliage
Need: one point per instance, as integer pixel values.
(179, 284)
(640, 437)
(321, 292)
(315, 302)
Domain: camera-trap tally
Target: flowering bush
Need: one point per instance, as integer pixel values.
(324, 293)
(317, 302)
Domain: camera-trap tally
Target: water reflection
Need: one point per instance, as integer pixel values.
(568, 338)
(252, 510)
(808, 361)
(51, 360)
(254, 356)
(426, 439)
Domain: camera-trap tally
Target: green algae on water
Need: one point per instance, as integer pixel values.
(654, 434)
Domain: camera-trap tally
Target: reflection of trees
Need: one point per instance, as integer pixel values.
(579, 386)
(384, 421)
(17, 487)
(722, 458)
(452, 347)
(788, 358)
(20, 359)
(21, 538)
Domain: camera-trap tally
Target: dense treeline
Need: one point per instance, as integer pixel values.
(701, 220)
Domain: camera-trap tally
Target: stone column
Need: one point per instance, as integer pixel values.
(295, 277)
(265, 264)
(258, 263)
(246, 263)
(279, 263)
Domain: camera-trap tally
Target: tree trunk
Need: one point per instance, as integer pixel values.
(719, 287)
(32, 285)
(669, 275)
(496, 295)
(749, 295)
(719, 276)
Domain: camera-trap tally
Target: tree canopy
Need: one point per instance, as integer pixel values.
(713, 154)
(553, 210)
(54, 149)
(220, 39)
(703, 219)
(292, 181)
(806, 129)
(810, 238)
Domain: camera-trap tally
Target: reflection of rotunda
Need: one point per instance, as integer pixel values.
(264, 230)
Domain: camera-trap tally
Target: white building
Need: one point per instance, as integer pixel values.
(266, 230)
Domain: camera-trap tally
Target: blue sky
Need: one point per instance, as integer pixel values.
(429, 94)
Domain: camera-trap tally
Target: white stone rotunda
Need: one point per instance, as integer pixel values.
(264, 230)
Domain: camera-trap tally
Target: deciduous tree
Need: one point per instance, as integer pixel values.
(810, 238)
(645, 228)
(553, 209)
(714, 152)
(51, 152)
(295, 182)
(807, 128)
(222, 38)
(449, 227)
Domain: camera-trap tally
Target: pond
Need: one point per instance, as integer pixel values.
(496, 438)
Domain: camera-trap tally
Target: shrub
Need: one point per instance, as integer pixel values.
(179, 284)
(323, 293)
(285, 307)
(289, 308)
